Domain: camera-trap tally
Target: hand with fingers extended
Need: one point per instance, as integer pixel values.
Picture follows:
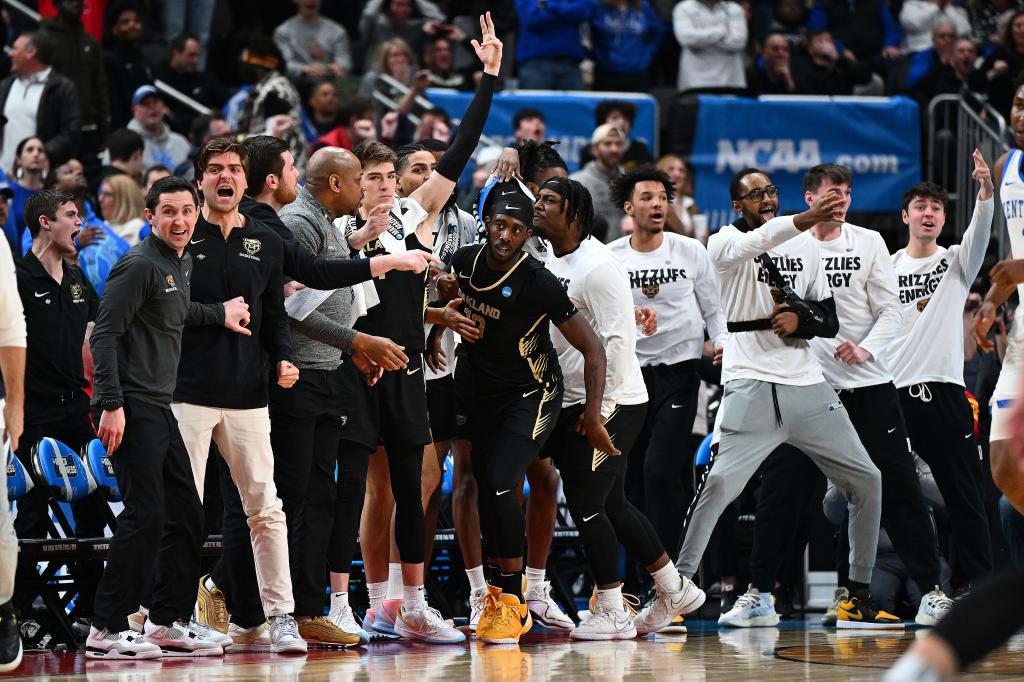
(507, 166)
(983, 175)
(381, 351)
(593, 428)
(488, 48)
(236, 315)
(434, 355)
(1007, 273)
(827, 209)
(459, 323)
(370, 370)
(376, 224)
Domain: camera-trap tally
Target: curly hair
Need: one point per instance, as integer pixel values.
(623, 186)
(537, 157)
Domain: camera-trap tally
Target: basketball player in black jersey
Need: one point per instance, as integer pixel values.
(517, 388)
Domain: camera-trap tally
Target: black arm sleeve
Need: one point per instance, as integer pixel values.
(323, 273)
(817, 318)
(457, 156)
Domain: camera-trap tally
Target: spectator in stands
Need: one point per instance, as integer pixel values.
(125, 148)
(99, 247)
(789, 18)
(624, 35)
(127, 68)
(949, 76)
(274, 106)
(27, 177)
(529, 124)
(863, 30)
(713, 35)
(385, 20)
(152, 174)
(121, 204)
(162, 146)
(996, 74)
(771, 73)
(182, 71)
(355, 124)
(821, 70)
(435, 124)
(314, 47)
(935, 59)
(607, 145)
(987, 19)
(320, 115)
(395, 59)
(36, 100)
(78, 56)
(204, 128)
(684, 218)
(622, 115)
(439, 60)
(918, 19)
(548, 51)
(189, 16)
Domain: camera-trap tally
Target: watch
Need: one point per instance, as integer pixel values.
(111, 404)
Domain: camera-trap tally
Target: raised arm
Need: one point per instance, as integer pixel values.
(435, 192)
(972, 249)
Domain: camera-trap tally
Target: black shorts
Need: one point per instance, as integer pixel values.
(531, 413)
(570, 450)
(441, 407)
(398, 407)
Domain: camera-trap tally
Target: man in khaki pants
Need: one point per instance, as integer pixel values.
(222, 388)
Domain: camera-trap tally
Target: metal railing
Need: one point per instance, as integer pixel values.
(955, 130)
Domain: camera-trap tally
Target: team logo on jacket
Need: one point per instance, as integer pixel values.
(651, 290)
(251, 246)
(921, 304)
(76, 293)
(170, 280)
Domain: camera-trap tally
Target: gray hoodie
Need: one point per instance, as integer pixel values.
(166, 149)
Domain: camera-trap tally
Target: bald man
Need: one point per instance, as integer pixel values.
(332, 188)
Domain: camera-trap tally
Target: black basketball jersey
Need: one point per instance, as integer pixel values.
(403, 295)
(512, 310)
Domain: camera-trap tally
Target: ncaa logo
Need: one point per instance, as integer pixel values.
(251, 246)
(506, 291)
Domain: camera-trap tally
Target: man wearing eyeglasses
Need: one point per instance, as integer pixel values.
(776, 296)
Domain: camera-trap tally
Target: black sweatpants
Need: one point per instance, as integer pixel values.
(660, 479)
(594, 486)
(940, 423)
(65, 418)
(349, 493)
(162, 511)
(791, 481)
(985, 618)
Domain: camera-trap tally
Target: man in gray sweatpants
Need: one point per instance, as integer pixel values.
(775, 392)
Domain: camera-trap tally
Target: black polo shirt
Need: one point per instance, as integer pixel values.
(56, 316)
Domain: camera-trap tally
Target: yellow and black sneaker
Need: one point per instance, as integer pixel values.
(861, 613)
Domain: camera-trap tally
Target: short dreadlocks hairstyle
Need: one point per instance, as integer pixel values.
(623, 186)
(576, 203)
(537, 157)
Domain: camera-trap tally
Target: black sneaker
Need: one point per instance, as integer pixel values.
(860, 612)
(10, 639)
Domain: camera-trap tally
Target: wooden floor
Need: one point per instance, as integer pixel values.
(793, 651)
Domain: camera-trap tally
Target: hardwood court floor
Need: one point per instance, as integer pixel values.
(794, 651)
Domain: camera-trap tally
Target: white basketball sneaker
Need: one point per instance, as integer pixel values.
(125, 645)
(751, 610)
(182, 639)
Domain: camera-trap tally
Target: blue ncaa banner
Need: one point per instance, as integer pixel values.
(569, 116)
(878, 138)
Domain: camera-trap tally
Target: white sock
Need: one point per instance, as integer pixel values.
(476, 578)
(339, 600)
(378, 591)
(610, 599)
(534, 577)
(414, 598)
(667, 578)
(394, 581)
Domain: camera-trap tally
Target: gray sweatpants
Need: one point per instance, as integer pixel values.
(813, 420)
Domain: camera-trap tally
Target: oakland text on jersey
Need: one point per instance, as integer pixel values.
(915, 285)
(786, 265)
(839, 269)
(481, 307)
(638, 279)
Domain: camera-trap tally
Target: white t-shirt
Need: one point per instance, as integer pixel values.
(859, 272)
(453, 229)
(598, 286)
(932, 290)
(678, 280)
(747, 295)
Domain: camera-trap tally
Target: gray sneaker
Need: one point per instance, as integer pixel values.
(829, 619)
(284, 635)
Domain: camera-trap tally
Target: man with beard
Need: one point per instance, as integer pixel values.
(776, 296)
(594, 482)
(608, 143)
(674, 275)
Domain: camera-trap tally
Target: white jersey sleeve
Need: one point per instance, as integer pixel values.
(708, 290)
(728, 253)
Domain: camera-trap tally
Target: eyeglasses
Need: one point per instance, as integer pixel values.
(756, 195)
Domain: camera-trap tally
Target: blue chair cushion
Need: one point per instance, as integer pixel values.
(100, 470)
(60, 470)
(18, 480)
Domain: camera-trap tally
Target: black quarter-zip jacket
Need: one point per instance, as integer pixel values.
(219, 367)
(137, 338)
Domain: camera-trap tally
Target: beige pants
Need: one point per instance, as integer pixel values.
(243, 438)
(8, 540)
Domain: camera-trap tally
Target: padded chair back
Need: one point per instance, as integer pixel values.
(100, 470)
(60, 470)
(19, 483)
